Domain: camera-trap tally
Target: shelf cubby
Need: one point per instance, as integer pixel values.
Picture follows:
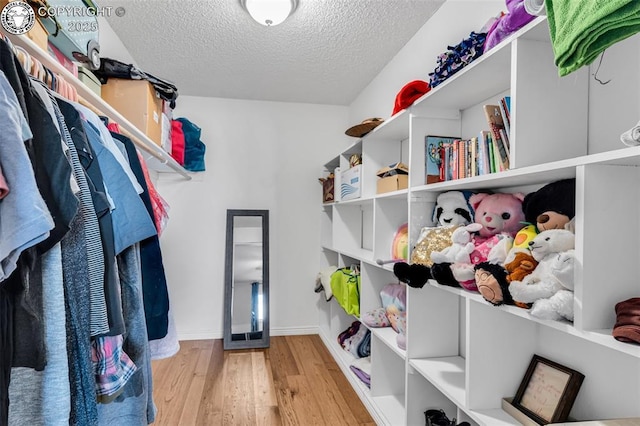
(387, 387)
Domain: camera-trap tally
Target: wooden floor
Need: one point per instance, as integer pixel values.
(294, 382)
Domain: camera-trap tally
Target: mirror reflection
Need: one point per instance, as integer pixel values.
(246, 286)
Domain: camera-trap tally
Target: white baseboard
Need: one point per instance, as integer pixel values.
(293, 331)
(200, 335)
(274, 331)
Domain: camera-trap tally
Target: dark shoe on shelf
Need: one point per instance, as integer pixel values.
(437, 418)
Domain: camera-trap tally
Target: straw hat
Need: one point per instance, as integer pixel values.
(359, 130)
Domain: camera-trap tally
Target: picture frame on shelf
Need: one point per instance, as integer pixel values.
(547, 391)
(434, 153)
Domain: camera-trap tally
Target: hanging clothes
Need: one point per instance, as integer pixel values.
(131, 221)
(76, 223)
(44, 397)
(24, 222)
(25, 218)
(135, 404)
(154, 282)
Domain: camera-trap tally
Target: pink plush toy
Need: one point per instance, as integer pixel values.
(498, 213)
(501, 216)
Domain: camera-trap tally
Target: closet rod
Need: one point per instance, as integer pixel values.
(98, 105)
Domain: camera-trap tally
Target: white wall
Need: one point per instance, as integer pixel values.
(260, 155)
(267, 155)
(110, 44)
(449, 26)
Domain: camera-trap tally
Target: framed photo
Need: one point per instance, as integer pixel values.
(548, 391)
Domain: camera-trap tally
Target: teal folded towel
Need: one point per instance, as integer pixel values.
(582, 29)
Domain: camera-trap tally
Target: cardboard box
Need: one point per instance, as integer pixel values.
(137, 101)
(393, 183)
(351, 183)
(39, 35)
(393, 178)
(90, 80)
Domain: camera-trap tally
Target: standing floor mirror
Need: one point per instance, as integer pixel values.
(246, 286)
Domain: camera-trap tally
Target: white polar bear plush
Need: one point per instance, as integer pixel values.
(550, 285)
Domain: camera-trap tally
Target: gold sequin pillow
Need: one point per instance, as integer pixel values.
(431, 239)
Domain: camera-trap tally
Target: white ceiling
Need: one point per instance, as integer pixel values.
(325, 53)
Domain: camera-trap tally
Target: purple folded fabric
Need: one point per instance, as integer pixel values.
(364, 377)
(516, 18)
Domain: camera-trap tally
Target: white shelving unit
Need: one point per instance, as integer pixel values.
(463, 354)
(157, 158)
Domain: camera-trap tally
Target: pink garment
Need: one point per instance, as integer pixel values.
(114, 127)
(159, 205)
(4, 188)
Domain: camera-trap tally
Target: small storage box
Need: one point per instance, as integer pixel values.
(137, 101)
(90, 80)
(393, 178)
(328, 189)
(350, 183)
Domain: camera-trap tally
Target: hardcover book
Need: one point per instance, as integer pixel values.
(496, 124)
(433, 148)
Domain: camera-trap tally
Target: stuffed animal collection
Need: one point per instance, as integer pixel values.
(516, 249)
(500, 216)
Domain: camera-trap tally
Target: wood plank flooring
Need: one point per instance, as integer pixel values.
(294, 382)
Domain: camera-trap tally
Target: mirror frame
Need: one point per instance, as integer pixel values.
(228, 343)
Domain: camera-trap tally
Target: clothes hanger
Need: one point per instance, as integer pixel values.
(49, 79)
(23, 57)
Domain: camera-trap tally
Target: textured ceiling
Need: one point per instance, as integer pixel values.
(326, 52)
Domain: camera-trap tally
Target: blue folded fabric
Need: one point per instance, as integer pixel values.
(194, 148)
(352, 344)
(364, 348)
